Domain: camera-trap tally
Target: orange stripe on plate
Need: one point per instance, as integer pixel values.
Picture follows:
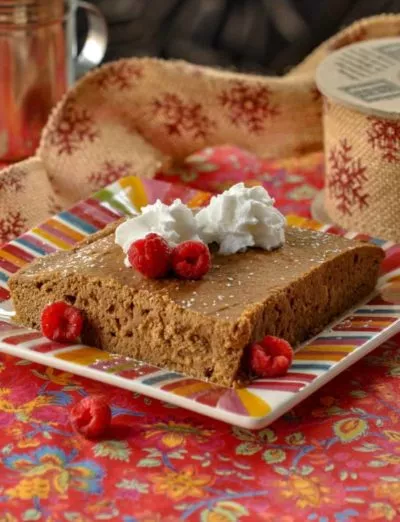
(198, 200)
(13, 259)
(303, 222)
(66, 230)
(84, 356)
(191, 389)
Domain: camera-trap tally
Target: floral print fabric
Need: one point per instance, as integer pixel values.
(335, 457)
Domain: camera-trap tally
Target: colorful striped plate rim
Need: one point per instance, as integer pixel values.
(315, 363)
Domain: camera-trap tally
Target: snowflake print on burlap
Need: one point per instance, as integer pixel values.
(12, 180)
(181, 118)
(53, 206)
(73, 128)
(119, 75)
(249, 105)
(384, 135)
(315, 94)
(11, 226)
(109, 172)
(317, 99)
(346, 178)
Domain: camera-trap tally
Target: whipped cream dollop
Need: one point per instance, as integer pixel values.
(175, 223)
(241, 217)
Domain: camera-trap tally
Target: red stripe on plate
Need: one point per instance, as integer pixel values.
(98, 214)
(57, 233)
(365, 323)
(362, 237)
(87, 216)
(337, 231)
(294, 376)
(277, 385)
(22, 338)
(392, 259)
(4, 294)
(323, 356)
(334, 341)
(4, 326)
(18, 252)
(364, 328)
(106, 211)
(37, 242)
(6, 265)
(210, 397)
(47, 346)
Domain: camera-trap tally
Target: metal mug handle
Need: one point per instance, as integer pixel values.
(95, 46)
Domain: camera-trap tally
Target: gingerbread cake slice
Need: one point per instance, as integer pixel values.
(201, 328)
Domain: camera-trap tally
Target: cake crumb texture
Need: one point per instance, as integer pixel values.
(201, 328)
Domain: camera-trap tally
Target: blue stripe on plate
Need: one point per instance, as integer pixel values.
(311, 366)
(160, 378)
(24, 242)
(341, 338)
(77, 222)
(377, 241)
(3, 277)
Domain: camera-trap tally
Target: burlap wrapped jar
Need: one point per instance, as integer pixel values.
(362, 171)
(361, 88)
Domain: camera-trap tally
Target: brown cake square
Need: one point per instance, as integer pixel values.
(202, 328)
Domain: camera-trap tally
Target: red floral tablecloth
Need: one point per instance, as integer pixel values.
(336, 457)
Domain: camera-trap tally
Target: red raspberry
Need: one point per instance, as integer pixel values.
(150, 256)
(191, 260)
(91, 417)
(271, 357)
(61, 322)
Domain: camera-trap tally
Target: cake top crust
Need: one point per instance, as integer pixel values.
(233, 284)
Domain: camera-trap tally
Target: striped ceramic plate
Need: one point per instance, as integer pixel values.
(315, 363)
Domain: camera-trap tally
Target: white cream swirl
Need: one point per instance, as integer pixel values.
(241, 217)
(175, 223)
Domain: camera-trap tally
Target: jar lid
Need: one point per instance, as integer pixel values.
(17, 13)
(364, 76)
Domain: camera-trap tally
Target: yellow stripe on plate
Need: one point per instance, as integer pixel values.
(84, 356)
(255, 406)
(295, 221)
(13, 259)
(137, 194)
(327, 348)
(53, 239)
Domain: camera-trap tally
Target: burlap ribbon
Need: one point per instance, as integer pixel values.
(134, 116)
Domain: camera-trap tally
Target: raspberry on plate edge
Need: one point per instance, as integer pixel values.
(271, 357)
(61, 322)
